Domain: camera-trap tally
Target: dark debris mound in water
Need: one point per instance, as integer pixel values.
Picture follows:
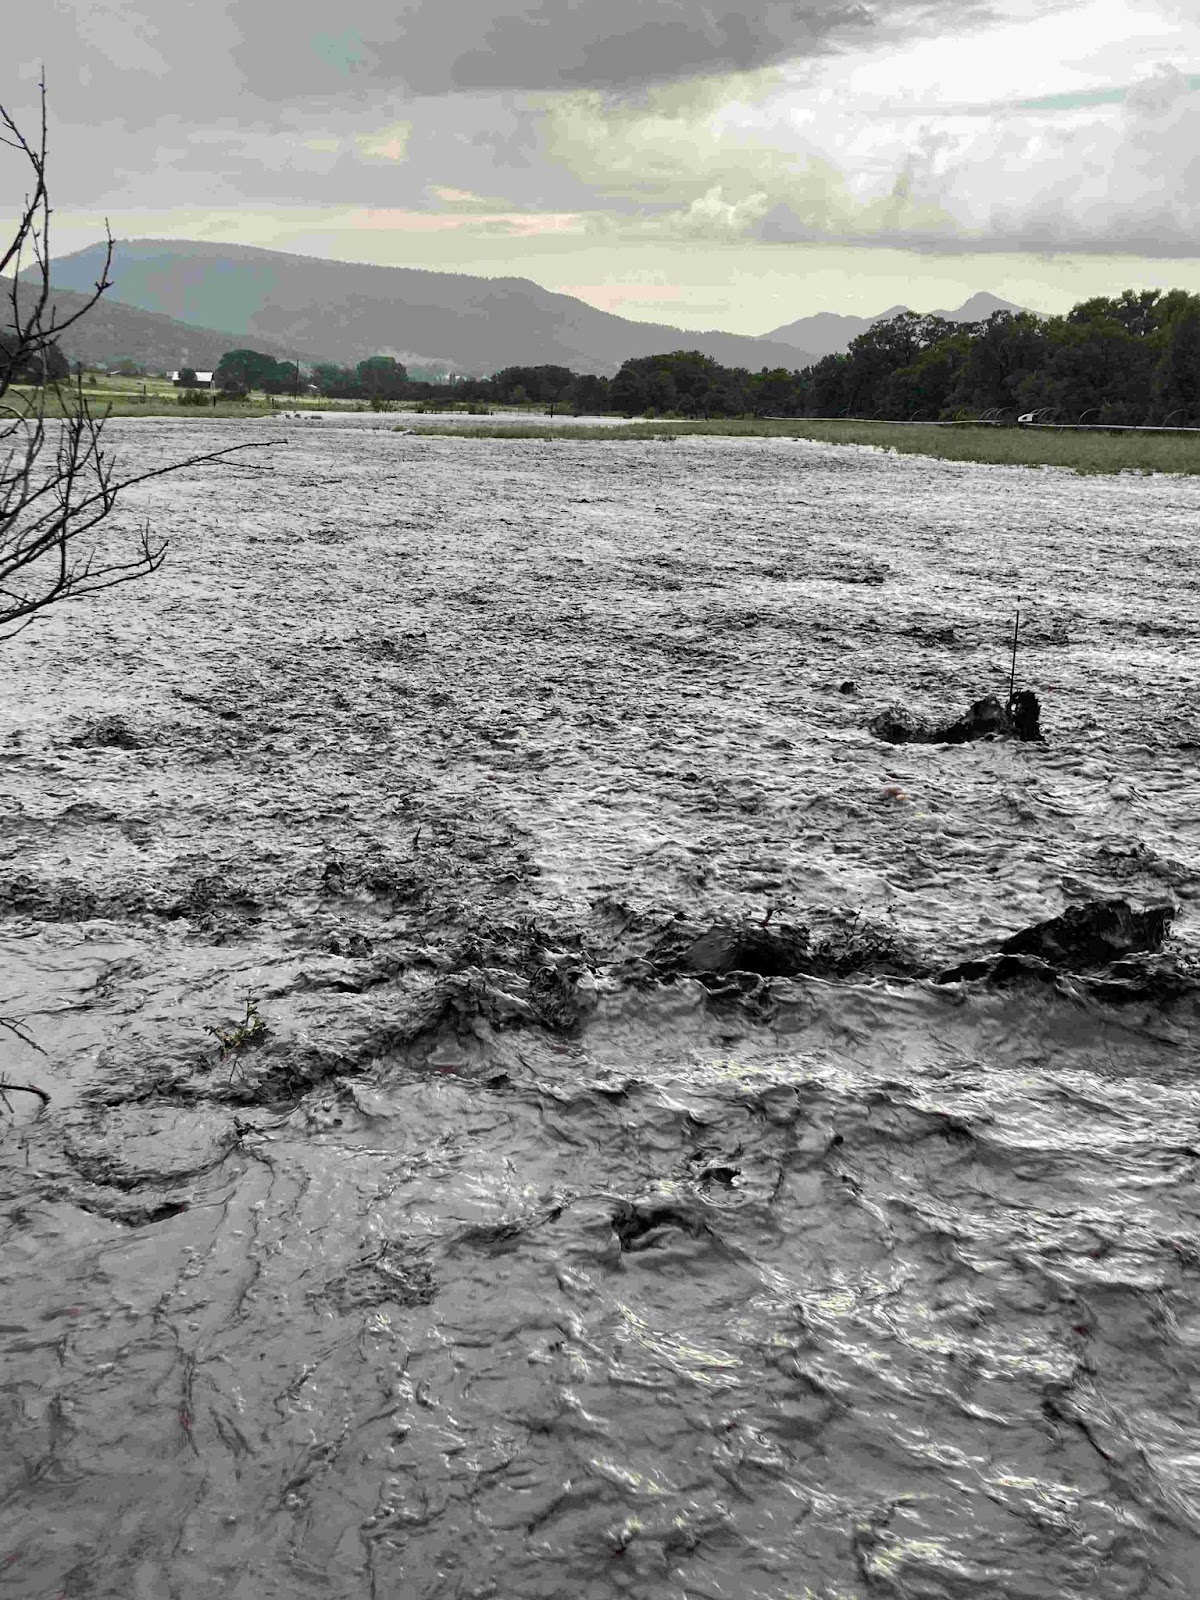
(740, 948)
(396, 1273)
(777, 952)
(1097, 934)
(47, 900)
(859, 947)
(641, 1224)
(1093, 934)
(986, 718)
(108, 733)
(213, 903)
(933, 636)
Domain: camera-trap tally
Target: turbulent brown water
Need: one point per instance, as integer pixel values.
(514, 1259)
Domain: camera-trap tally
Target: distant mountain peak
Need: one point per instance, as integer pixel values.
(979, 307)
(827, 333)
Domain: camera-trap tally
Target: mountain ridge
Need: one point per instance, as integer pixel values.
(112, 331)
(346, 311)
(828, 333)
(185, 302)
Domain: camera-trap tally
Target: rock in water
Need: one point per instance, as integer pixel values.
(1084, 938)
(985, 718)
(1093, 934)
(1025, 711)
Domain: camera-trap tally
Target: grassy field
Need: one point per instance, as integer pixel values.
(1086, 453)
(158, 397)
(1079, 452)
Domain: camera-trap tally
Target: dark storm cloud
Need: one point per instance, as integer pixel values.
(141, 58)
(436, 48)
(607, 109)
(191, 102)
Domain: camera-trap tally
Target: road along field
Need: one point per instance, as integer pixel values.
(513, 1234)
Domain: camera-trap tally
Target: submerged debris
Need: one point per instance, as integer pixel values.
(1024, 712)
(776, 952)
(933, 636)
(1082, 939)
(1094, 933)
(641, 1224)
(737, 951)
(22, 894)
(986, 718)
(396, 1273)
(108, 733)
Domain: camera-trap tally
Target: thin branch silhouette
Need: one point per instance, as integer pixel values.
(57, 481)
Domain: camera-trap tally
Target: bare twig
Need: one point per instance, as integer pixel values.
(1012, 677)
(7, 1088)
(18, 1028)
(56, 484)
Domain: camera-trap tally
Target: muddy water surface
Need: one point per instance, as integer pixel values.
(510, 1256)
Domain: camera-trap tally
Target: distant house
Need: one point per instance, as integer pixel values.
(203, 379)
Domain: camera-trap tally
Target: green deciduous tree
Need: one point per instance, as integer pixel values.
(240, 371)
(337, 383)
(589, 395)
(1007, 349)
(381, 378)
(1177, 376)
(680, 380)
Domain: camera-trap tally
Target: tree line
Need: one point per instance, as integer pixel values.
(1132, 358)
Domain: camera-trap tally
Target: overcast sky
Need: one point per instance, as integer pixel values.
(735, 164)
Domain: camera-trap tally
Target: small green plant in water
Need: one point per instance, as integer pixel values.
(250, 1030)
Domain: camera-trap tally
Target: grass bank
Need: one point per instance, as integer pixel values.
(1018, 447)
(1082, 452)
(158, 397)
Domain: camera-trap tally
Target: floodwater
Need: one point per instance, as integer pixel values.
(414, 421)
(512, 1256)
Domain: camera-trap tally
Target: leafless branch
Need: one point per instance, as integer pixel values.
(57, 483)
(7, 1088)
(18, 1028)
